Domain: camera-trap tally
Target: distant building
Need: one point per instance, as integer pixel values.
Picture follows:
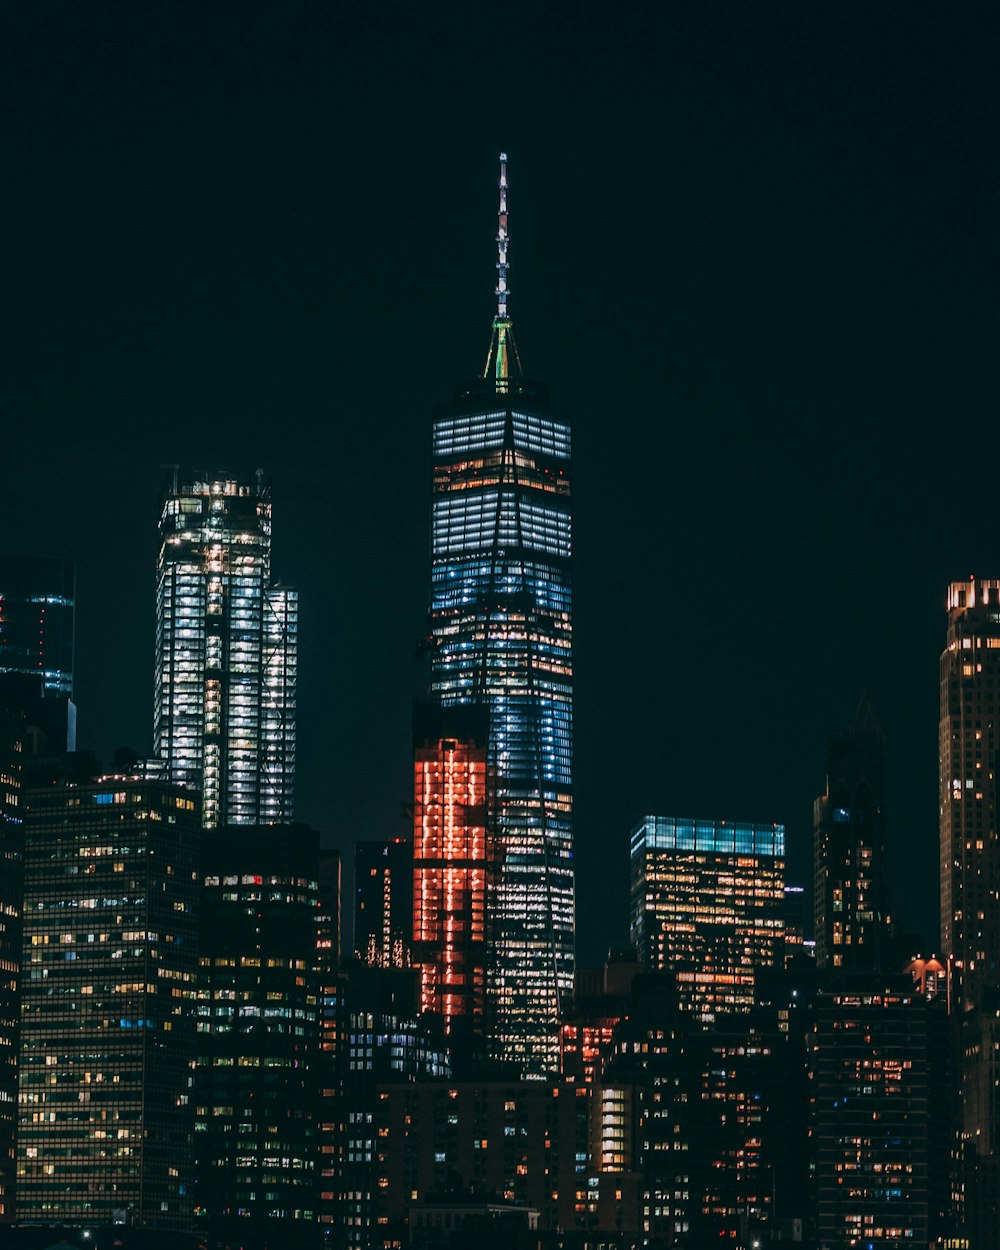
(226, 653)
(382, 1039)
(707, 905)
(330, 1025)
(107, 1036)
(454, 863)
(521, 1142)
(12, 742)
(851, 891)
(600, 1001)
(37, 606)
(880, 1125)
(383, 902)
(258, 1018)
(37, 599)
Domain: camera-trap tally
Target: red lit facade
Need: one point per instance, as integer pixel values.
(453, 865)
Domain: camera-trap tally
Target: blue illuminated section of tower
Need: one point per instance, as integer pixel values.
(501, 625)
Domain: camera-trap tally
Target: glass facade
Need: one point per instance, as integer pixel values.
(501, 622)
(226, 654)
(707, 903)
(110, 959)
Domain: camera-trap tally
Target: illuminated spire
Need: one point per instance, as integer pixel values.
(502, 243)
(502, 342)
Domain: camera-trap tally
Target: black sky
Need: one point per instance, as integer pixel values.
(754, 254)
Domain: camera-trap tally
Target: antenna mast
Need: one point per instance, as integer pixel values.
(502, 243)
(502, 341)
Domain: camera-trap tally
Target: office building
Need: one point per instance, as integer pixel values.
(881, 1152)
(226, 653)
(600, 1002)
(851, 891)
(521, 1142)
(970, 830)
(453, 868)
(12, 736)
(107, 1036)
(330, 1016)
(501, 638)
(382, 1040)
(257, 1078)
(707, 905)
(383, 902)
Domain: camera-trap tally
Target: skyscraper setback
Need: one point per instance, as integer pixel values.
(226, 653)
(501, 624)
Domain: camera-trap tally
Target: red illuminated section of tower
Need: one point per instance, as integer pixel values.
(452, 879)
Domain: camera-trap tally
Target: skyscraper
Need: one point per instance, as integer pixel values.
(107, 1034)
(226, 653)
(850, 896)
(12, 733)
(968, 740)
(257, 1078)
(707, 904)
(501, 637)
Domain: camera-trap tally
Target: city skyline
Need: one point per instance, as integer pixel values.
(773, 336)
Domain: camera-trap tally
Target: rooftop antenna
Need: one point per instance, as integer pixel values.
(502, 243)
(502, 342)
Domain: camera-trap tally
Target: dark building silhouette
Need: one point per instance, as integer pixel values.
(12, 745)
(383, 902)
(600, 1002)
(501, 638)
(107, 1036)
(37, 597)
(879, 1114)
(258, 1014)
(851, 892)
(431, 1139)
(382, 1040)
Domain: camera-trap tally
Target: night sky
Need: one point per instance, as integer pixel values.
(754, 255)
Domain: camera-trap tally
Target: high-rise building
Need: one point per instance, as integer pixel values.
(226, 653)
(107, 1033)
(383, 902)
(970, 821)
(707, 904)
(851, 893)
(37, 597)
(453, 867)
(881, 1151)
(501, 637)
(257, 1076)
(12, 734)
